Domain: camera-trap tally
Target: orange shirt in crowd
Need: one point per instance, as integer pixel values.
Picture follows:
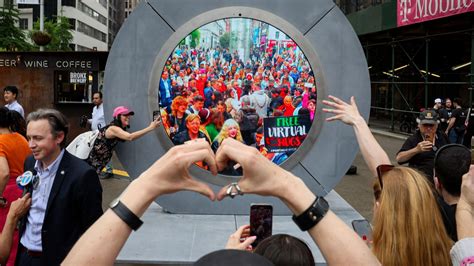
(14, 148)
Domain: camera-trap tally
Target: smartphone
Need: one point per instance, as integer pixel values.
(261, 220)
(363, 229)
(156, 115)
(428, 137)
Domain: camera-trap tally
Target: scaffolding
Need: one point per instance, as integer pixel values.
(409, 72)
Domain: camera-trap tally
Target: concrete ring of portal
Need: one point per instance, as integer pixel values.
(328, 41)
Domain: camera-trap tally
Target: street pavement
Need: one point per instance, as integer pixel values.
(355, 189)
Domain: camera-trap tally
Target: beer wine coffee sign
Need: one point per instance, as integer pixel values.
(285, 134)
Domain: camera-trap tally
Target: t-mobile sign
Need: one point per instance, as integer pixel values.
(416, 11)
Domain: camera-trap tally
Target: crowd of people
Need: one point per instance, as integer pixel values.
(455, 120)
(422, 213)
(220, 89)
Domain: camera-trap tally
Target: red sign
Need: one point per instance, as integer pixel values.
(416, 11)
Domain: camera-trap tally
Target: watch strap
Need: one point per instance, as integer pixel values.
(127, 215)
(313, 215)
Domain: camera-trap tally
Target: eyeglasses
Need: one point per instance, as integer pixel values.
(381, 170)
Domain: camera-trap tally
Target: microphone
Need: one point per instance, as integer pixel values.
(28, 181)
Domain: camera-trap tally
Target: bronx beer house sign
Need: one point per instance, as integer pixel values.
(285, 133)
(416, 11)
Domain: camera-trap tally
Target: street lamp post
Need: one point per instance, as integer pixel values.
(41, 20)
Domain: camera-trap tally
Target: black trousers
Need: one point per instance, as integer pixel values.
(25, 260)
(467, 139)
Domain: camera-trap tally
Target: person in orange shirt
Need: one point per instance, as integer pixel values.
(13, 152)
(287, 108)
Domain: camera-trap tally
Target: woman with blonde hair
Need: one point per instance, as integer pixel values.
(166, 123)
(408, 228)
(230, 129)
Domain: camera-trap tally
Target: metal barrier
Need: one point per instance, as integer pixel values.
(381, 116)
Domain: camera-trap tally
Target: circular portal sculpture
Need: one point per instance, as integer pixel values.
(319, 28)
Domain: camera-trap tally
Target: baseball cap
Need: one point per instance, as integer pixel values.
(122, 110)
(437, 100)
(428, 117)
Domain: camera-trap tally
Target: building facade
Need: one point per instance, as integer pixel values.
(416, 50)
(116, 18)
(89, 20)
(62, 80)
(130, 6)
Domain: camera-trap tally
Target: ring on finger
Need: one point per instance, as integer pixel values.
(233, 190)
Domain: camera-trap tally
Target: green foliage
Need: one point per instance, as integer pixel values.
(195, 37)
(11, 37)
(224, 40)
(60, 31)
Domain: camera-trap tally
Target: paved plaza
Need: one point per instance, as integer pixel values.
(142, 246)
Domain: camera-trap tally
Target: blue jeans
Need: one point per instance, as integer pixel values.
(454, 137)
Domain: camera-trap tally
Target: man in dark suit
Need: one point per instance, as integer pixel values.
(66, 200)
(165, 90)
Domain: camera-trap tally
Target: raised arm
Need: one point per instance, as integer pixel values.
(371, 150)
(465, 207)
(168, 175)
(338, 243)
(117, 132)
(18, 208)
(464, 248)
(4, 174)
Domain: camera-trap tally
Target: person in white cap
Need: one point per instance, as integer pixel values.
(437, 104)
(110, 135)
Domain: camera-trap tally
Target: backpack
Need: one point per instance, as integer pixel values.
(82, 145)
(248, 121)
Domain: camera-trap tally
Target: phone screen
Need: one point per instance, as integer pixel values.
(261, 220)
(363, 229)
(156, 115)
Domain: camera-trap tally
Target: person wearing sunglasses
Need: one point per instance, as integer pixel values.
(407, 228)
(419, 149)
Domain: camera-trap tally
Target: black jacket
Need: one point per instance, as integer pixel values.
(74, 204)
(183, 136)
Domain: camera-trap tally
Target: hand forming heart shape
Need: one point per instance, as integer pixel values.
(260, 176)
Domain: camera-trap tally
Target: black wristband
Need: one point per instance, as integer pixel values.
(312, 215)
(126, 214)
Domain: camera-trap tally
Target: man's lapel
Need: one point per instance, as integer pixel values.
(58, 180)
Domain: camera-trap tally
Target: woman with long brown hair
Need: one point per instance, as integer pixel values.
(217, 120)
(408, 228)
